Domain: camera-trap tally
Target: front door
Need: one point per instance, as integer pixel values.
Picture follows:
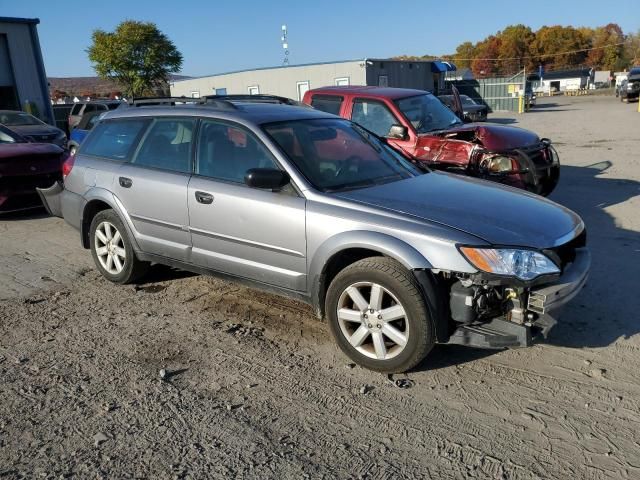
(247, 232)
(377, 117)
(153, 188)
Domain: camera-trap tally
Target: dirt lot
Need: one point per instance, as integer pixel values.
(255, 387)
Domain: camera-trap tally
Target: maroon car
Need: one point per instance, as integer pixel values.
(428, 132)
(25, 166)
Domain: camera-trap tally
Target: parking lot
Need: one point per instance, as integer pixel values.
(254, 386)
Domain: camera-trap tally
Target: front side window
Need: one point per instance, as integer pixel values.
(167, 145)
(374, 116)
(427, 114)
(327, 103)
(335, 154)
(114, 139)
(226, 151)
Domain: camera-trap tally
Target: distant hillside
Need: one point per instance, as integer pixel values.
(78, 85)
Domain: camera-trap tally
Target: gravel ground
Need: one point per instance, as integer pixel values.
(254, 387)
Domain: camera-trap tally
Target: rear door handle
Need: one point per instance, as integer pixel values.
(125, 182)
(204, 198)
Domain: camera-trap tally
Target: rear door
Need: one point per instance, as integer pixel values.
(247, 232)
(153, 187)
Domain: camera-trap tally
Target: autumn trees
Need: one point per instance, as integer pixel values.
(556, 47)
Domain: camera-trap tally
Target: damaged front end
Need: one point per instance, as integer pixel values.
(507, 155)
(493, 310)
(535, 168)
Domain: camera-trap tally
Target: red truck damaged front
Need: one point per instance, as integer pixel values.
(430, 134)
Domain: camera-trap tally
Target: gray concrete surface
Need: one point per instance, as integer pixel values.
(257, 389)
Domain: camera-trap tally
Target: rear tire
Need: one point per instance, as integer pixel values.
(112, 250)
(378, 317)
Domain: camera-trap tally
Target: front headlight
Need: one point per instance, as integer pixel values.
(523, 264)
(499, 164)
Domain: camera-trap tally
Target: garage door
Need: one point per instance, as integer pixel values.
(8, 97)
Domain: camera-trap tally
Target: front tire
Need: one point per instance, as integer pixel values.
(378, 317)
(112, 250)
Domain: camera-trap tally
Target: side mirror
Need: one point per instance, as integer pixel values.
(266, 178)
(398, 132)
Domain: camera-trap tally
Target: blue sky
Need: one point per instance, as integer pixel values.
(218, 36)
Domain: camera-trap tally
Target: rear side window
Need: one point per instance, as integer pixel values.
(113, 106)
(114, 140)
(327, 103)
(167, 145)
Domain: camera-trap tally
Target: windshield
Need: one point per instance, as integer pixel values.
(18, 118)
(7, 136)
(427, 114)
(336, 155)
(466, 100)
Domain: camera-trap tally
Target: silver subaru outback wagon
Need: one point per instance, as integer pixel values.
(312, 206)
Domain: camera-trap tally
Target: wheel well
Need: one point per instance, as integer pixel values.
(338, 262)
(91, 209)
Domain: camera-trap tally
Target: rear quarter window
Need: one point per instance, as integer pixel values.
(115, 139)
(327, 103)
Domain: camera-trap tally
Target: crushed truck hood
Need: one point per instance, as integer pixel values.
(497, 214)
(491, 136)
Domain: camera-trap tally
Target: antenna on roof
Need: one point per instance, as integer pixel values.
(285, 45)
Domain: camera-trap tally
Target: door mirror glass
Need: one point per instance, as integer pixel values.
(266, 178)
(398, 132)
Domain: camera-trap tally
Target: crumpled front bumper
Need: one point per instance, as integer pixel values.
(550, 299)
(544, 305)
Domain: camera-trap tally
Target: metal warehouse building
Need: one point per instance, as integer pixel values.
(23, 81)
(293, 81)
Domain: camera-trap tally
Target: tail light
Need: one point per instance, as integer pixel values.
(67, 165)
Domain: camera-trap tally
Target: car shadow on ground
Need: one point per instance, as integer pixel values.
(30, 214)
(502, 121)
(606, 309)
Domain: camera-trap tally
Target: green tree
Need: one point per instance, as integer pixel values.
(486, 53)
(552, 44)
(515, 48)
(465, 53)
(632, 50)
(606, 55)
(136, 55)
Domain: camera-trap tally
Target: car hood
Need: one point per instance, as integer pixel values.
(27, 130)
(497, 214)
(473, 108)
(15, 150)
(492, 136)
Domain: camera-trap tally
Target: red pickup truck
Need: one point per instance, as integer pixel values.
(428, 132)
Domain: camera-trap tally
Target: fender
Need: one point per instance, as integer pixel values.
(387, 245)
(103, 195)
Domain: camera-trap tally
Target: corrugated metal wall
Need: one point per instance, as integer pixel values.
(25, 58)
(500, 94)
(400, 74)
(283, 81)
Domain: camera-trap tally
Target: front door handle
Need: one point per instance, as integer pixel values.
(204, 198)
(125, 182)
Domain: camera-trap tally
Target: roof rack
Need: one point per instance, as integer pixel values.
(260, 98)
(173, 101)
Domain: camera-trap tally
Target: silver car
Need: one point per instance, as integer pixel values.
(314, 207)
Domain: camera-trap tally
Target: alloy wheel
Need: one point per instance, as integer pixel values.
(110, 249)
(372, 320)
